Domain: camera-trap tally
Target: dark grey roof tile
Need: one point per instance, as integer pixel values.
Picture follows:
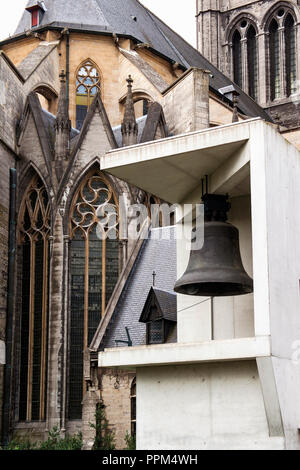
(157, 255)
(131, 18)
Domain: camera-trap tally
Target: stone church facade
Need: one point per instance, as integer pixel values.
(255, 43)
(72, 90)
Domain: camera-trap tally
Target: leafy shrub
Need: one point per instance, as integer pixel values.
(130, 442)
(105, 437)
(17, 444)
(54, 442)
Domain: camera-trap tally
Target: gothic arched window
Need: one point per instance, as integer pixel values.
(245, 59)
(87, 85)
(290, 54)
(282, 54)
(274, 60)
(237, 58)
(252, 62)
(33, 239)
(94, 271)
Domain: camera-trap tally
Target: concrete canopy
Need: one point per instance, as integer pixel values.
(172, 168)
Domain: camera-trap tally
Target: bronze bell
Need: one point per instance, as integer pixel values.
(216, 270)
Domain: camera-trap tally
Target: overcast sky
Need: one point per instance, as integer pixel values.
(179, 15)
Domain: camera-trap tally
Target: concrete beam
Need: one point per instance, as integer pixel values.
(172, 168)
(271, 401)
(186, 353)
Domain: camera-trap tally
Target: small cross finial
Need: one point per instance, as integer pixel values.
(154, 276)
(62, 76)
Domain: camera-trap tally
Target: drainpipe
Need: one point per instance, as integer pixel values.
(10, 305)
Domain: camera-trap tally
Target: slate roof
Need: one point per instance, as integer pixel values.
(131, 19)
(49, 121)
(167, 304)
(156, 255)
(141, 125)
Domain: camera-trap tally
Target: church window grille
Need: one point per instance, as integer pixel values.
(94, 272)
(290, 52)
(87, 86)
(237, 58)
(33, 233)
(252, 62)
(274, 60)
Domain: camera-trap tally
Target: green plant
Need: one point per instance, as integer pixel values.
(130, 442)
(105, 437)
(55, 442)
(19, 444)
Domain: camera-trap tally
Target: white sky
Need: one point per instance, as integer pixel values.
(179, 15)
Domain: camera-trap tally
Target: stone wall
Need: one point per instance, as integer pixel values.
(186, 103)
(11, 101)
(115, 393)
(7, 161)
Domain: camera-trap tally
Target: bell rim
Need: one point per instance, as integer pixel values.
(234, 289)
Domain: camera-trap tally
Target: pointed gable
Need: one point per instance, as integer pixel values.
(34, 139)
(159, 305)
(96, 134)
(155, 127)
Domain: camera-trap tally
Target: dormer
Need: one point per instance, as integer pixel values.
(36, 10)
(160, 315)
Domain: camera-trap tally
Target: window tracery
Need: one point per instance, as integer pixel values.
(94, 271)
(33, 233)
(87, 85)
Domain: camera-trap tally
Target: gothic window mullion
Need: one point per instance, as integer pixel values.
(86, 293)
(44, 328)
(245, 81)
(282, 62)
(103, 276)
(31, 328)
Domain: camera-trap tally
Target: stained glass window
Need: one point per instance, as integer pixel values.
(87, 85)
(252, 62)
(237, 58)
(34, 231)
(290, 52)
(94, 271)
(274, 60)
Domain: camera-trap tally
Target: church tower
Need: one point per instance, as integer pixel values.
(208, 30)
(254, 43)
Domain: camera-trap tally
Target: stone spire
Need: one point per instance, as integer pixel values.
(62, 126)
(129, 127)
